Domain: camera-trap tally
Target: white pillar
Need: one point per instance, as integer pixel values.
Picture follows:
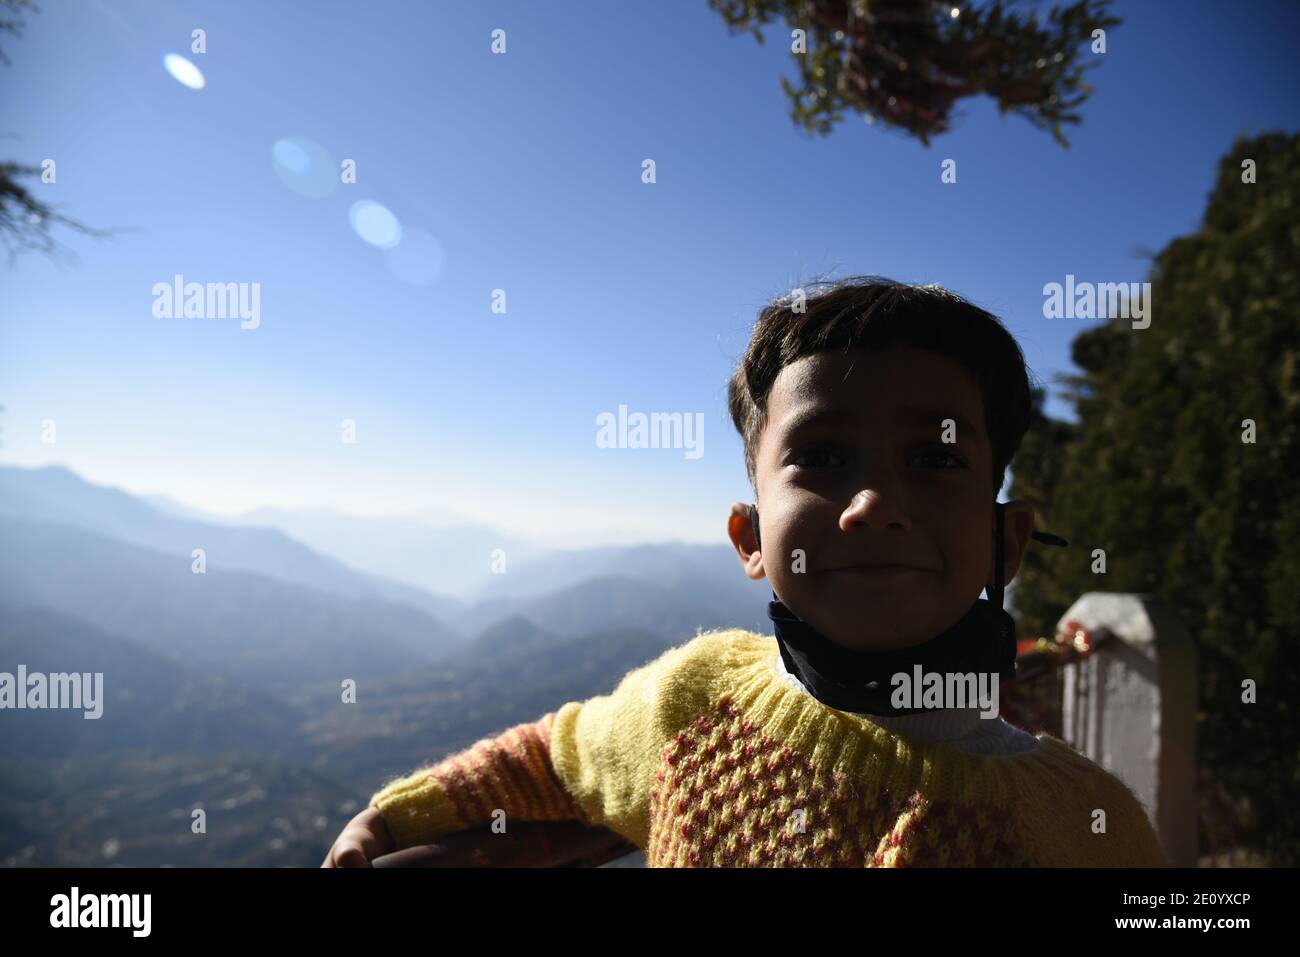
(1130, 706)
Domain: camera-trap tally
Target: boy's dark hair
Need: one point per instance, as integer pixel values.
(871, 312)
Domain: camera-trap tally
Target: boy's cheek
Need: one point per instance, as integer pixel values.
(790, 575)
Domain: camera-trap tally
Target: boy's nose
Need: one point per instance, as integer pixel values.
(876, 508)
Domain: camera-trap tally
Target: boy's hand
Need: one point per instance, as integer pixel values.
(364, 838)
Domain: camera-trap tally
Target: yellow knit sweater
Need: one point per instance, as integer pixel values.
(708, 757)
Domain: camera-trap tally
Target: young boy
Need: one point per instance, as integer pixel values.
(878, 421)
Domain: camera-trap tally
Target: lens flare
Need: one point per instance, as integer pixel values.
(375, 224)
(183, 71)
(418, 259)
(302, 166)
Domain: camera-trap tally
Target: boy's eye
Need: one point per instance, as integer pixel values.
(817, 457)
(823, 456)
(939, 454)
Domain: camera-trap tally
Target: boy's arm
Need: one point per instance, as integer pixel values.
(592, 761)
(511, 772)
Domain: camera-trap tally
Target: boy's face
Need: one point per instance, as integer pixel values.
(853, 470)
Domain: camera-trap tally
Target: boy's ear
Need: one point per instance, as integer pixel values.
(740, 529)
(1017, 527)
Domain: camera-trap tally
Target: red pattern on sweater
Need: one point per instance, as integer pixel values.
(728, 796)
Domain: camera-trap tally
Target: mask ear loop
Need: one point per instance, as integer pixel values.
(1047, 538)
(758, 541)
(996, 592)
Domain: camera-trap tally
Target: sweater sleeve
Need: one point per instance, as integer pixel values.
(510, 772)
(1135, 842)
(1101, 824)
(592, 761)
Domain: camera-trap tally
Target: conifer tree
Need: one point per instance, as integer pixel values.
(1184, 468)
(906, 63)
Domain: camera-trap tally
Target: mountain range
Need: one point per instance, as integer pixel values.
(224, 679)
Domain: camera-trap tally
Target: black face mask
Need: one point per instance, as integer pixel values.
(984, 640)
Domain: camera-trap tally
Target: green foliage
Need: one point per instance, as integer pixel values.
(25, 220)
(1157, 474)
(907, 62)
(11, 20)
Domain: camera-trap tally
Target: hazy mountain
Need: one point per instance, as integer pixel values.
(408, 720)
(169, 506)
(448, 560)
(263, 632)
(668, 565)
(508, 636)
(675, 612)
(409, 561)
(149, 702)
(223, 689)
(55, 494)
(121, 789)
(442, 607)
(86, 806)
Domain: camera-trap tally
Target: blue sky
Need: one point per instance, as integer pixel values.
(524, 170)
